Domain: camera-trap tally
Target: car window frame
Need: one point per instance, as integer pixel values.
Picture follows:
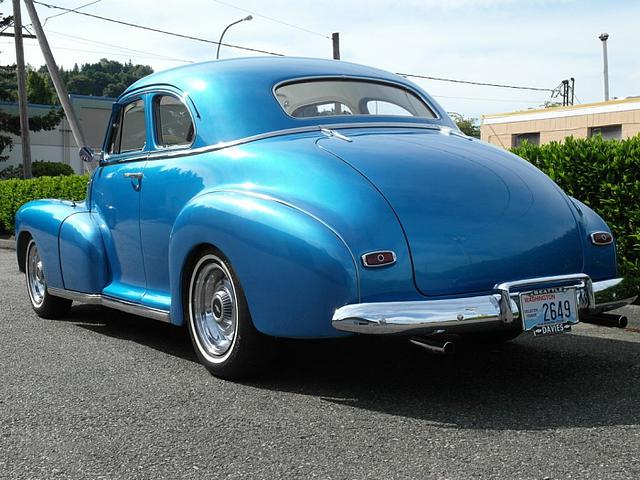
(116, 116)
(120, 130)
(390, 83)
(155, 124)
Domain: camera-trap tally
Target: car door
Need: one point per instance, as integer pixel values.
(172, 176)
(115, 199)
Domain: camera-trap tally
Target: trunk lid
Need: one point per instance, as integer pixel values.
(473, 215)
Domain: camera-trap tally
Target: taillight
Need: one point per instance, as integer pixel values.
(379, 259)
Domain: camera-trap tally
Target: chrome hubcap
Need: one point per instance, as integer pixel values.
(35, 275)
(213, 307)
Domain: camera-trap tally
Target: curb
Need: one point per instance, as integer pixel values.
(8, 243)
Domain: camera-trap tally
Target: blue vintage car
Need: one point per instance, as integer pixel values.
(251, 199)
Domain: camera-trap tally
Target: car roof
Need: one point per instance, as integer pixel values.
(236, 95)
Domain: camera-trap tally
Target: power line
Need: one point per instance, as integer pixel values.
(64, 13)
(500, 85)
(157, 30)
(273, 19)
(87, 40)
(510, 100)
(100, 52)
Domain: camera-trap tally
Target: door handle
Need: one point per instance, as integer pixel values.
(136, 179)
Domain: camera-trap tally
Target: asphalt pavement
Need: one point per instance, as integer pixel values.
(105, 395)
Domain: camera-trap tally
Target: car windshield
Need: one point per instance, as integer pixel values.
(323, 98)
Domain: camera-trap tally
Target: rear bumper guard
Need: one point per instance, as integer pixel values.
(496, 311)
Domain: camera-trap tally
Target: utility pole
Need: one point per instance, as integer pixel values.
(22, 91)
(335, 38)
(59, 85)
(605, 60)
(573, 89)
(565, 93)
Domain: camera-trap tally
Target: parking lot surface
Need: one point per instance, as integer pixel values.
(107, 395)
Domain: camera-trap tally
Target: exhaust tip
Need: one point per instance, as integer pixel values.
(434, 345)
(622, 321)
(608, 320)
(449, 348)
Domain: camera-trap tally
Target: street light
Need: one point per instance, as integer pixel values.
(605, 64)
(245, 19)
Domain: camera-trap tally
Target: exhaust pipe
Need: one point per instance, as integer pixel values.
(441, 347)
(607, 320)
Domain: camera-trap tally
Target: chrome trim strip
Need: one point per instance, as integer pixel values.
(88, 298)
(158, 154)
(486, 312)
(111, 302)
(333, 133)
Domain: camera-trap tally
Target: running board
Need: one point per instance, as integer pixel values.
(110, 302)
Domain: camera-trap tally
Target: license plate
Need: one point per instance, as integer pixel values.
(549, 311)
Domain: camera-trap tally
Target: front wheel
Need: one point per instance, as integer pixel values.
(220, 325)
(43, 303)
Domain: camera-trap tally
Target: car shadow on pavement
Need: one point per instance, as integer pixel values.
(151, 333)
(568, 381)
(527, 384)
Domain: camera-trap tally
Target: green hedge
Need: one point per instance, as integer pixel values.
(39, 168)
(15, 193)
(606, 176)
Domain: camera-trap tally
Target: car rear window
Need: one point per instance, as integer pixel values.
(324, 98)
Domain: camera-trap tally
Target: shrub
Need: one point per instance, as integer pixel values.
(39, 168)
(15, 193)
(606, 176)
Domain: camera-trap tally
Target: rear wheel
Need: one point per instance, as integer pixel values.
(220, 325)
(43, 303)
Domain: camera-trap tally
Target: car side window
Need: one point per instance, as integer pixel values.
(129, 129)
(134, 133)
(173, 124)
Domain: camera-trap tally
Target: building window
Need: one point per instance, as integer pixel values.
(532, 138)
(607, 132)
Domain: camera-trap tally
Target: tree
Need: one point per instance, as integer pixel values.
(37, 89)
(8, 92)
(468, 126)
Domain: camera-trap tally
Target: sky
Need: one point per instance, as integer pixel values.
(535, 43)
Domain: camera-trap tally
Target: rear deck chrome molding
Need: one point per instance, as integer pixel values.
(492, 312)
(111, 302)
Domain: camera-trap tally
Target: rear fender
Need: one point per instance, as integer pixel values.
(599, 260)
(294, 269)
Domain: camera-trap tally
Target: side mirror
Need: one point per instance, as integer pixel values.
(88, 156)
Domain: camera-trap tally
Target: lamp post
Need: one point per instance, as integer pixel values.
(245, 19)
(605, 61)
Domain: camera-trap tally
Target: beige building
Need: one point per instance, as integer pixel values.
(615, 119)
(58, 145)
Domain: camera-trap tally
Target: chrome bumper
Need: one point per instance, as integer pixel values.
(494, 312)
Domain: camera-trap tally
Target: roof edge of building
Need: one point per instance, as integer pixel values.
(630, 103)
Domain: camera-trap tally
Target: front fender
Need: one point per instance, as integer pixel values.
(294, 269)
(42, 219)
(83, 259)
